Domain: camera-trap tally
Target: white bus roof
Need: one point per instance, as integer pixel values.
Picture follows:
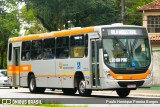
(66, 32)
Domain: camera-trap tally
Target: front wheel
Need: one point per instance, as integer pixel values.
(123, 92)
(82, 88)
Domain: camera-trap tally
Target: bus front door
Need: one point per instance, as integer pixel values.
(95, 64)
(16, 63)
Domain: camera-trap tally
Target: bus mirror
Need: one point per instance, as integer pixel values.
(99, 44)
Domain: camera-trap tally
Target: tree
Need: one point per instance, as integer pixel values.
(132, 15)
(30, 24)
(9, 25)
(55, 14)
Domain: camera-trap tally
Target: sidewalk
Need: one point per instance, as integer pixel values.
(148, 92)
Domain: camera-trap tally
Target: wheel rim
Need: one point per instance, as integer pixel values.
(32, 84)
(82, 86)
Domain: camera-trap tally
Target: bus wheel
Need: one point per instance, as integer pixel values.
(82, 88)
(32, 86)
(123, 92)
(69, 91)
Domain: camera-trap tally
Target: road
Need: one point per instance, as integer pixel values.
(97, 97)
(24, 93)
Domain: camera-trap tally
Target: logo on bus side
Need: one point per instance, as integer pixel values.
(60, 65)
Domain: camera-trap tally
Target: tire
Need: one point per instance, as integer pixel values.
(10, 87)
(123, 92)
(32, 86)
(16, 87)
(69, 91)
(82, 88)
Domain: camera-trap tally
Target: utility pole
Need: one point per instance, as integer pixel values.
(122, 10)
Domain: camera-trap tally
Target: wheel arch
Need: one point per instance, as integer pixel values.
(78, 75)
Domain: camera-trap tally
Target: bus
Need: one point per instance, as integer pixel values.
(106, 57)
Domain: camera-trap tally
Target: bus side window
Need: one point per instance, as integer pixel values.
(10, 52)
(26, 50)
(62, 47)
(77, 46)
(36, 50)
(49, 48)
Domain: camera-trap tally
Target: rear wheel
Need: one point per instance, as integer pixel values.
(82, 88)
(32, 86)
(69, 91)
(123, 92)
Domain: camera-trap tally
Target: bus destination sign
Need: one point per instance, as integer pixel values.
(122, 32)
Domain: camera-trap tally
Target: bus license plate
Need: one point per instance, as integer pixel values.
(131, 86)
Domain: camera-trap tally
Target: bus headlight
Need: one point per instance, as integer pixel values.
(149, 75)
(109, 76)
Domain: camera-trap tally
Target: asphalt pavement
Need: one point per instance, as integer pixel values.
(144, 92)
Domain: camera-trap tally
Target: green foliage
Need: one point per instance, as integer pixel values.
(132, 15)
(9, 25)
(33, 24)
(55, 14)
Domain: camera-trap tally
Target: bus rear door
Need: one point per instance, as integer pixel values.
(16, 64)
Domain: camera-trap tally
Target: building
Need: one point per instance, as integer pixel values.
(151, 20)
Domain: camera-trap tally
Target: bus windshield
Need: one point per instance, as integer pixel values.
(126, 52)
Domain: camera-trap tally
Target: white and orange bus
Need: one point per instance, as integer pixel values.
(109, 57)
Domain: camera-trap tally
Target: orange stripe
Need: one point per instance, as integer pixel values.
(53, 34)
(13, 68)
(130, 76)
(25, 68)
(16, 69)
(44, 75)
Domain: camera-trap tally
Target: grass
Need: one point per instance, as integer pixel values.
(152, 88)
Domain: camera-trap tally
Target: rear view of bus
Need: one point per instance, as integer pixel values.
(127, 58)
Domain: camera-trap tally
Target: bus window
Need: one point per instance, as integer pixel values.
(10, 52)
(62, 47)
(36, 50)
(26, 50)
(86, 45)
(49, 48)
(77, 46)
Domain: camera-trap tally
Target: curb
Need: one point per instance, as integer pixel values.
(147, 93)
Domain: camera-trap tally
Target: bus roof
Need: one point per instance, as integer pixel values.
(53, 34)
(74, 31)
